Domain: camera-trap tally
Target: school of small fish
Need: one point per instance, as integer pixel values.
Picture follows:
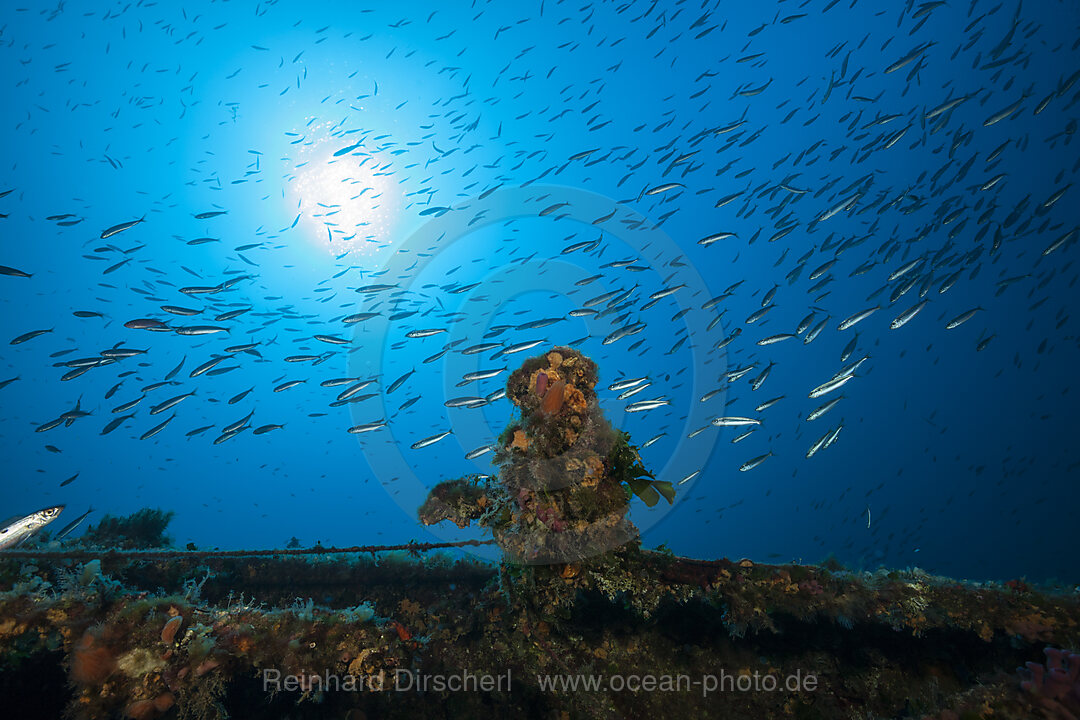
(795, 219)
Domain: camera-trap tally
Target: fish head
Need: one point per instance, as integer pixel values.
(51, 513)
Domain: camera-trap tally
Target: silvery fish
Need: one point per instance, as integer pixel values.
(431, 440)
(904, 317)
(962, 318)
(367, 427)
(644, 405)
(482, 450)
(828, 387)
(857, 317)
(70, 527)
(18, 530)
(109, 232)
(627, 383)
(734, 421)
(751, 464)
(819, 411)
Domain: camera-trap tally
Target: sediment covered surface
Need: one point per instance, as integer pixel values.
(652, 635)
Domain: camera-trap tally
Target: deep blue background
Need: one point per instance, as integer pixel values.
(967, 460)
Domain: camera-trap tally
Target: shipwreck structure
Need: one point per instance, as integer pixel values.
(565, 475)
(577, 621)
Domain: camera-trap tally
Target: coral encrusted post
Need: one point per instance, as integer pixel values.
(565, 475)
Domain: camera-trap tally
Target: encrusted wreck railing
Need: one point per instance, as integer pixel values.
(412, 547)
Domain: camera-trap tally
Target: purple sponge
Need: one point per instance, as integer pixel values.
(1055, 685)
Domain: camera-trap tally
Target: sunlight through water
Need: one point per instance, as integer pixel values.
(339, 189)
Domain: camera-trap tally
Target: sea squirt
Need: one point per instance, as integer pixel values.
(553, 399)
(541, 383)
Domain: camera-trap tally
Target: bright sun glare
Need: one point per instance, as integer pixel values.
(343, 191)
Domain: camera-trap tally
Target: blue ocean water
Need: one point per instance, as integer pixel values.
(496, 167)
